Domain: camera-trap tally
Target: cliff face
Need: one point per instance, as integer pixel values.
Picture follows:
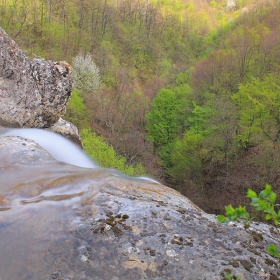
(32, 93)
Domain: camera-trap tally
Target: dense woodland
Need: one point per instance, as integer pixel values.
(187, 91)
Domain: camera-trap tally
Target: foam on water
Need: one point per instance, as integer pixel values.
(58, 146)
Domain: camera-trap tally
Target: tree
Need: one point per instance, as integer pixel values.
(162, 120)
(268, 59)
(258, 102)
(187, 157)
(164, 124)
(189, 152)
(86, 73)
(218, 73)
(245, 42)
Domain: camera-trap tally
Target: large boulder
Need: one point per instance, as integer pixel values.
(32, 93)
(59, 221)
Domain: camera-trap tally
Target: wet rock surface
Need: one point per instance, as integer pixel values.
(64, 222)
(16, 151)
(68, 130)
(32, 93)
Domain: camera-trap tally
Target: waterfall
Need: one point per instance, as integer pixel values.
(58, 146)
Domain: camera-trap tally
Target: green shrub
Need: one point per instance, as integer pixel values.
(76, 110)
(106, 156)
(264, 202)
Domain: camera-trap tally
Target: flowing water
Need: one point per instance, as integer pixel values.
(44, 208)
(58, 146)
(37, 214)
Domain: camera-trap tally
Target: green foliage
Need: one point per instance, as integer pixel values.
(76, 110)
(187, 156)
(139, 170)
(234, 214)
(213, 4)
(199, 118)
(265, 202)
(189, 152)
(273, 250)
(184, 94)
(164, 67)
(258, 102)
(105, 154)
(228, 276)
(162, 120)
(183, 78)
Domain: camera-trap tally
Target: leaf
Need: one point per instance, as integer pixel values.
(267, 189)
(272, 197)
(251, 193)
(268, 217)
(273, 251)
(245, 216)
(255, 201)
(266, 192)
(222, 218)
(271, 248)
(264, 205)
(229, 210)
(262, 194)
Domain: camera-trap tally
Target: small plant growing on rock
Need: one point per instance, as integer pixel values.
(234, 214)
(273, 250)
(227, 275)
(264, 202)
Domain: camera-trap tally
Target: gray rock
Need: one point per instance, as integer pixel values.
(32, 93)
(68, 130)
(22, 151)
(59, 221)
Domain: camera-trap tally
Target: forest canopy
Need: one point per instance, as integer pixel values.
(185, 91)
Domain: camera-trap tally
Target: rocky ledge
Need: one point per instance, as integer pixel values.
(82, 223)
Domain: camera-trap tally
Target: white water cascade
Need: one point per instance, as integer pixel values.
(58, 146)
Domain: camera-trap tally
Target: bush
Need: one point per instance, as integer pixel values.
(106, 156)
(265, 202)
